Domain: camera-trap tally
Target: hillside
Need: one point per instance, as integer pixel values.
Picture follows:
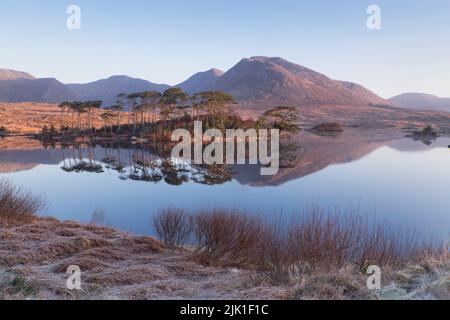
(7, 74)
(107, 89)
(47, 90)
(201, 81)
(260, 82)
(421, 101)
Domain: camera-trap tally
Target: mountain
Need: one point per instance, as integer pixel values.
(260, 82)
(7, 74)
(34, 90)
(18, 86)
(107, 89)
(201, 81)
(421, 101)
(257, 82)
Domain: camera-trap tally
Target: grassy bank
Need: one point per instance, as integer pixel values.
(213, 254)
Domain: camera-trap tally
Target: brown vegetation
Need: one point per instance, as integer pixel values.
(172, 226)
(30, 118)
(18, 205)
(287, 249)
(226, 238)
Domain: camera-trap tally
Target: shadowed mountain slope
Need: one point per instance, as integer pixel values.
(201, 81)
(107, 89)
(47, 90)
(421, 101)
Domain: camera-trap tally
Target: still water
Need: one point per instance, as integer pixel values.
(402, 181)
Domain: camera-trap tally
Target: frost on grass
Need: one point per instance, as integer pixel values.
(34, 258)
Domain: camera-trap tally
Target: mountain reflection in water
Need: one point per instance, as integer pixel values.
(382, 173)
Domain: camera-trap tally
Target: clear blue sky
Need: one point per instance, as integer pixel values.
(167, 41)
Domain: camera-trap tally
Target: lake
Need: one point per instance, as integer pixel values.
(393, 178)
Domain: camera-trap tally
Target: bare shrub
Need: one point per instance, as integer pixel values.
(173, 227)
(286, 249)
(227, 237)
(320, 240)
(383, 244)
(17, 204)
(272, 252)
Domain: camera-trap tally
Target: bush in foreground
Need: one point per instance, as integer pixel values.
(17, 204)
(285, 249)
(173, 227)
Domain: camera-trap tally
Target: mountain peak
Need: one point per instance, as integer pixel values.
(216, 72)
(263, 59)
(261, 82)
(121, 77)
(201, 81)
(8, 74)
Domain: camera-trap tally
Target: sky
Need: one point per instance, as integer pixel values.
(168, 41)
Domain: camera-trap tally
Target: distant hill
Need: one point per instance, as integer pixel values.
(201, 81)
(7, 74)
(47, 90)
(107, 89)
(260, 82)
(421, 101)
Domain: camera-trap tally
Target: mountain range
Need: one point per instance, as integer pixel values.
(107, 89)
(256, 83)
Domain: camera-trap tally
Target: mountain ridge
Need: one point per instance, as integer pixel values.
(107, 89)
(47, 90)
(9, 74)
(421, 101)
(256, 82)
(201, 81)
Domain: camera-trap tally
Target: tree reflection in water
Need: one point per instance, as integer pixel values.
(140, 163)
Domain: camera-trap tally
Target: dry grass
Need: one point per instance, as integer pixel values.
(30, 118)
(17, 204)
(34, 258)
